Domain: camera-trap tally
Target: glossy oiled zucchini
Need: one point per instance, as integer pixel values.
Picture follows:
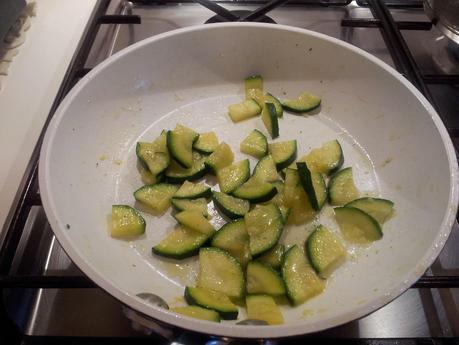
(313, 184)
(157, 196)
(230, 206)
(180, 144)
(283, 153)
(341, 187)
(244, 110)
(270, 120)
(199, 205)
(255, 191)
(303, 103)
(326, 159)
(190, 190)
(181, 243)
(206, 143)
(231, 177)
(357, 226)
(263, 307)
(220, 158)
(255, 144)
(380, 209)
(263, 279)
(177, 174)
(265, 170)
(211, 299)
(196, 221)
(197, 313)
(126, 222)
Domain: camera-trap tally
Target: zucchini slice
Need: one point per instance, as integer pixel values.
(263, 307)
(303, 103)
(277, 104)
(301, 281)
(180, 144)
(270, 120)
(220, 271)
(244, 110)
(295, 197)
(264, 225)
(278, 199)
(254, 82)
(230, 206)
(156, 162)
(285, 211)
(283, 153)
(341, 188)
(357, 226)
(190, 190)
(255, 191)
(326, 159)
(176, 174)
(199, 205)
(263, 279)
(231, 177)
(181, 243)
(273, 257)
(233, 238)
(255, 144)
(313, 184)
(265, 170)
(126, 222)
(196, 221)
(197, 313)
(211, 299)
(206, 143)
(220, 158)
(325, 251)
(157, 196)
(379, 209)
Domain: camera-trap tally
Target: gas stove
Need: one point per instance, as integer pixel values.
(46, 299)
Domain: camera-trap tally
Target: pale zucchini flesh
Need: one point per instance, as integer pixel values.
(326, 159)
(199, 205)
(220, 158)
(270, 119)
(357, 226)
(126, 222)
(303, 103)
(263, 279)
(255, 144)
(313, 184)
(177, 174)
(197, 313)
(380, 209)
(157, 197)
(206, 143)
(341, 188)
(230, 206)
(283, 153)
(231, 177)
(277, 104)
(265, 170)
(190, 190)
(254, 82)
(155, 161)
(196, 221)
(243, 110)
(181, 243)
(180, 144)
(255, 191)
(263, 307)
(211, 299)
(273, 257)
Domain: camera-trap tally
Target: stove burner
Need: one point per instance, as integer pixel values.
(240, 14)
(446, 56)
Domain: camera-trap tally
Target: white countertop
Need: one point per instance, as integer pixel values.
(34, 78)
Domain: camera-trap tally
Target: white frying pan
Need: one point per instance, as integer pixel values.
(390, 134)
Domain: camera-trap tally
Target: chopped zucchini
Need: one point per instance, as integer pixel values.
(220, 158)
(244, 110)
(277, 104)
(255, 144)
(181, 243)
(157, 196)
(301, 210)
(270, 120)
(357, 226)
(254, 82)
(199, 205)
(278, 199)
(197, 313)
(264, 225)
(176, 174)
(264, 279)
(180, 144)
(301, 281)
(283, 153)
(231, 177)
(156, 162)
(341, 188)
(265, 170)
(190, 190)
(273, 257)
(211, 299)
(233, 238)
(196, 221)
(325, 251)
(303, 103)
(126, 222)
(379, 209)
(313, 184)
(285, 211)
(206, 143)
(220, 271)
(255, 191)
(263, 307)
(326, 159)
(230, 206)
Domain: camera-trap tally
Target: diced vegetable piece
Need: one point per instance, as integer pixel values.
(155, 162)
(264, 225)
(325, 251)
(244, 110)
(176, 174)
(264, 279)
(181, 243)
(265, 170)
(199, 205)
(295, 197)
(255, 191)
(254, 82)
(196, 221)
(220, 271)
(301, 281)
(326, 159)
(357, 226)
(314, 185)
(231, 177)
(270, 120)
(303, 103)
(220, 158)
(283, 153)
(285, 211)
(233, 238)
(273, 257)
(197, 313)
(255, 144)
(263, 307)
(342, 188)
(180, 143)
(206, 143)
(277, 104)
(157, 196)
(126, 222)
(190, 190)
(211, 299)
(230, 206)
(379, 209)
